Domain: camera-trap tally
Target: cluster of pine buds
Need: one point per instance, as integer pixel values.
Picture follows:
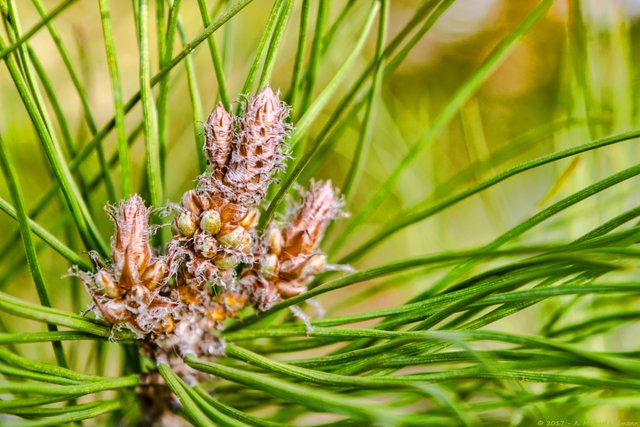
(216, 262)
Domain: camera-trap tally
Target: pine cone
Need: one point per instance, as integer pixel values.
(292, 258)
(127, 292)
(256, 149)
(218, 140)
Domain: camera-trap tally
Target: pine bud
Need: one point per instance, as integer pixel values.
(194, 203)
(276, 241)
(107, 285)
(315, 264)
(186, 224)
(291, 288)
(231, 236)
(205, 245)
(269, 266)
(250, 219)
(306, 228)
(114, 311)
(218, 139)
(258, 149)
(154, 275)
(132, 233)
(226, 261)
(210, 222)
(213, 235)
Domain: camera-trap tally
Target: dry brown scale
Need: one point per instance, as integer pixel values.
(216, 264)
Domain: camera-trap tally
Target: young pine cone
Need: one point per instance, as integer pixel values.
(292, 258)
(214, 231)
(218, 140)
(127, 292)
(244, 160)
